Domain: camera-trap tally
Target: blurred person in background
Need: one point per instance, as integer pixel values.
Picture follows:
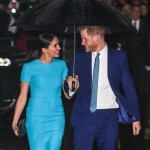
(145, 14)
(136, 46)
(126, 10)
(121, 3)
(136, 2)
(137, 49)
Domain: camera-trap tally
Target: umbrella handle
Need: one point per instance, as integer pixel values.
(73, 86)
(73, 83)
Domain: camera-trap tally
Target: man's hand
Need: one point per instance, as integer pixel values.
(136, 127)
(69, 81)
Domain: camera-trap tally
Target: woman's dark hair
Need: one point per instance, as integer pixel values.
(45, 39)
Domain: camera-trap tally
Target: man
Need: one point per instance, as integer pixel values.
(99, 103)
(126, 10)
(136, 47)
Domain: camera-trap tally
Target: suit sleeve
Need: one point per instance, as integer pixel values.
(129, 88)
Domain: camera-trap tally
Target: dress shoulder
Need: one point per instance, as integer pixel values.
(27, 71)
(61, 62)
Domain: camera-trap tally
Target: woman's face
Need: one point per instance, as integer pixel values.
(53, 49)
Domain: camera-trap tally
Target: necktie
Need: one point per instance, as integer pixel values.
(135, 25)
(95, 84)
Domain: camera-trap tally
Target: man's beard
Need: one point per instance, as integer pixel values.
(90, 48)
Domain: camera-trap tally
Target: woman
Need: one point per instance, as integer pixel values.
(45, 114)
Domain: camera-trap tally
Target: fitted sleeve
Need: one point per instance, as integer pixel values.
(65, 72)
(25, 73)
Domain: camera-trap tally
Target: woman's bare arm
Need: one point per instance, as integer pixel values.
(21, 102)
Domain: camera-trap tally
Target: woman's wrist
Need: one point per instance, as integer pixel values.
(14, 123)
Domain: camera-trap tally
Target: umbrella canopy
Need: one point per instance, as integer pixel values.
(62, 14)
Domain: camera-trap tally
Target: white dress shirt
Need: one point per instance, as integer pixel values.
(137, 22)
(106, 99)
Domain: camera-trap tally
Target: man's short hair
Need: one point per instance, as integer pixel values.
(93, 30)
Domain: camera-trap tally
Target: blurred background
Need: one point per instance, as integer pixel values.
(18, 47)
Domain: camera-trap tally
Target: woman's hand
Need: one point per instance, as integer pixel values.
(15, 129)
(21, 102)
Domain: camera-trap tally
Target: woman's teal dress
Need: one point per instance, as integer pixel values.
(45, 114)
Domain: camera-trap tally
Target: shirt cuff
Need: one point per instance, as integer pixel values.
(71, 93)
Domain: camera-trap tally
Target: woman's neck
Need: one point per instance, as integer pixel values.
(46, 59)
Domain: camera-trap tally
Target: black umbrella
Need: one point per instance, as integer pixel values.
(63, 15)
(60, 15)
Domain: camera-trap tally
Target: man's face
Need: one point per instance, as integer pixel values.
(126, 10)
(144, 10)
(88, 41)
(136, 13)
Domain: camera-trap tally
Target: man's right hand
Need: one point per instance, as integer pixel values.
(69, 81)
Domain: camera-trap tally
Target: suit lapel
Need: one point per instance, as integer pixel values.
(110, 64)
(89, 67)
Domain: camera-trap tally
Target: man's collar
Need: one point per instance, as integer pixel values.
(103, 51)
(135, 20)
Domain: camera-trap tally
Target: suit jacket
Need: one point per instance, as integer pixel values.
(136, 44)
(119, 77)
